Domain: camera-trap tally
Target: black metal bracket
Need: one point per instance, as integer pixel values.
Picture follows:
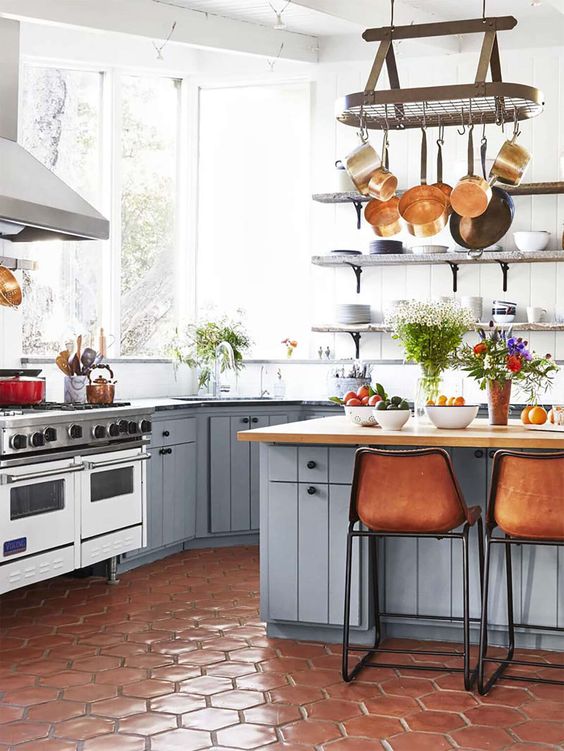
(454, 268)
(358, 206)
(357, 272)
(356, 339)
(504, 269)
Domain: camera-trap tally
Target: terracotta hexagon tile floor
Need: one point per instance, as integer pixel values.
(175, 659)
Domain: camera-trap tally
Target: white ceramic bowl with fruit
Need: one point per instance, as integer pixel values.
(453, 417)
(359, 405)
(392, 413)
(363, 416)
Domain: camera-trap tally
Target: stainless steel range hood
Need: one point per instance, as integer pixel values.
(35, 204)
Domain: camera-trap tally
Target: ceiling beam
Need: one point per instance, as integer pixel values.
(368, 13)
(153, 20)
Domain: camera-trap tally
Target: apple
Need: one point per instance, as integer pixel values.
(374, 400)
(353, 402)
(349, 395)
(362, 392)
(365, 401)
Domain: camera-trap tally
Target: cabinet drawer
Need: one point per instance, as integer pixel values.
(313, 464)
(172, 432)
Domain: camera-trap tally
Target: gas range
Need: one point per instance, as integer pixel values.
(49, 427)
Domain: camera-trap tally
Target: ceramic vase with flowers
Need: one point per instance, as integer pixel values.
(498, 361)
(430, 333)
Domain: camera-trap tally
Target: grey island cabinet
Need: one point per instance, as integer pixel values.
(306, 474)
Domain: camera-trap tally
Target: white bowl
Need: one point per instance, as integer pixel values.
(531, 241)
(452, 418)
(392, 419)
(361, 416)
(503, 318)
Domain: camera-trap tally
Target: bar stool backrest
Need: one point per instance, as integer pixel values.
(527, 495)
(406, 491)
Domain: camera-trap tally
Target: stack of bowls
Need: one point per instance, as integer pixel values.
(349, 314)
(383, 247)
(474, 304)
(504, 311)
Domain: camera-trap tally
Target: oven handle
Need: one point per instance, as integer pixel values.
(111, 462)
(11, 479)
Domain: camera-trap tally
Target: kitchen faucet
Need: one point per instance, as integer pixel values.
(223, 350)
(263, 392)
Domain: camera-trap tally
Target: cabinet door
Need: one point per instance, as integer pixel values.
(259, 421)
(179, 493)
(229, 475)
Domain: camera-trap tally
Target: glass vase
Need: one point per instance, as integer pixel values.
(427, 389)
(499, 398)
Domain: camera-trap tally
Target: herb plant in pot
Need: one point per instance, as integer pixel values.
(195, 344)
(497, 361)
(430, 333)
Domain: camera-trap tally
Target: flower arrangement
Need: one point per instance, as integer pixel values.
(497, 361)
(430, 333)
(291, 345)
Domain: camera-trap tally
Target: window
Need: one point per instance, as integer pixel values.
(128, 285)
(254, 198)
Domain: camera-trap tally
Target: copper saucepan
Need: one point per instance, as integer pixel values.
(424, 208)
(383, 217)
(472, 193)
(383, 184)
(512, 160)
(10, 290)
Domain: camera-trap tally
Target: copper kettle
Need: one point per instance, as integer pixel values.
(101, 390)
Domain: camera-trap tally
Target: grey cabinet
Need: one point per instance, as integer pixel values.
(234, 472)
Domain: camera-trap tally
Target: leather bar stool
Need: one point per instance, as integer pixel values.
(526, 505)
(414, 494)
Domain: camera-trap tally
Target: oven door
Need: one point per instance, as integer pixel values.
(37, 507)
(113, 493)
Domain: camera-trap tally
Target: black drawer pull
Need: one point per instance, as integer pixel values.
(491, 453)
(245, 420)
(311, 490)
(166, 433)
(311, 464)
(478, 453)
(254, 419)
(162, 451)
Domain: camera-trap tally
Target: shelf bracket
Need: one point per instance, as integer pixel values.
(357, 272)
(504, 269)
(358, 206)
(454, 268)
(356, 339)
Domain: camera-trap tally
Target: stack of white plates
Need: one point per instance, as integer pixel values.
(474, 305)
(352, 313)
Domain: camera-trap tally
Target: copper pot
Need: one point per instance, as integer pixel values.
(383, 217)
(472, 194)
(511, 162)
(101, 390)
(383, 184)
(362, 163)
(424, 208)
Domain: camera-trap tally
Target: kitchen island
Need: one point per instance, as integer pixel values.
(305, 478)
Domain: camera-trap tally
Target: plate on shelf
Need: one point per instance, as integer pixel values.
(490, 249)
(422, 250)
(347, 252)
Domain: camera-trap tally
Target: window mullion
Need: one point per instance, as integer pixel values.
(114, 287)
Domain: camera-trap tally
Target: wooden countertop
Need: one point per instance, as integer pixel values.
(341, 431)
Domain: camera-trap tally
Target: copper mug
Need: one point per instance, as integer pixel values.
(101, 390)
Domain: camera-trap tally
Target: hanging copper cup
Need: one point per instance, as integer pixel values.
(362, 162)
(512, 160)
(383, 184)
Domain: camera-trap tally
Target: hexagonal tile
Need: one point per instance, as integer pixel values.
(177, 703)
(482, 737)
(120, 676)
(311, 731)
(435, 722)
(81, 728)
(148, 723)
(419, 742)
(373, 726)
(90, 692)
(181, 739)
(56, 711)
(114, 743)
(392, 706)
(47, 744)
(247, 736)
(210, 719)
(237, 699)
(273, 715)
(66, 679)
(333, 709)
(543, 710)
(21, 731)
(449, 701)
(149, 688)
(494, 715)
(26, 697)
(175, 673)
(120, 706)
(95, 664)
(535, 730)
(206, 685)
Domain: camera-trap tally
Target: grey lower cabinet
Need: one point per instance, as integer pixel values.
(234, 472)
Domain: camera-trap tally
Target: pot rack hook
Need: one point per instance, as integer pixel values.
(483, 11)
(424, 103)
(462, 124)
(483, 139)
(516, 128)
(441, 138)
(391, 15)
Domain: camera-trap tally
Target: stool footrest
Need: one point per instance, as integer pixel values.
(414, 653)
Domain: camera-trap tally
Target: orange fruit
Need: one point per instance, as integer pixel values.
(430, 403)
(450, 401)
(459, 401)
(537, 416)
(362, 392)
(442, 400)
(525, 415)
(551, 416)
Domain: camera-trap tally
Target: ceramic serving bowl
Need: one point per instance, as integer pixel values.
(531, 241)
(452, 418)
(361, 416)
(393, 419)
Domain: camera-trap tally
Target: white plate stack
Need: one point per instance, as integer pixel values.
(474, 305)
(348, 314)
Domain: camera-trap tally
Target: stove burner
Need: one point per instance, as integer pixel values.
(19, 409)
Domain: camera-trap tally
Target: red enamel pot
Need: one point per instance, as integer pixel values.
(21, 388)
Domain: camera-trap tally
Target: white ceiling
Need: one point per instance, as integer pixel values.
(336, 17)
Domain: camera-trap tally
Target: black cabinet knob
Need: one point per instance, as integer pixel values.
(166, 433)
(311, 464)
(311, 490)
(254, 419)
(162, 451)
(478, 453)
(169, 451)
(245, 420)
(491, 453)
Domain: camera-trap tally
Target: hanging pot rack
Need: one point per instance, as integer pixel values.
(480, 103)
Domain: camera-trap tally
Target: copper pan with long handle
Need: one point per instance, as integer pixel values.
(424, 208)
(384, 217)
(472, 193)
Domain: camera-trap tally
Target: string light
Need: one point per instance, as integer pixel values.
(159, 48)
(279, 24)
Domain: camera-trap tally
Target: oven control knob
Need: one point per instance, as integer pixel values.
(145, 426)
(99, 431)
(123, 426)
(114, 430)
(18, 441)
(132, 427)
(75, 431)
(50, 434)
(37, 439)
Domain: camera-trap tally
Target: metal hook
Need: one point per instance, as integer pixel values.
(463, 131)
(484, 139)
(516, 128)
(424, 116)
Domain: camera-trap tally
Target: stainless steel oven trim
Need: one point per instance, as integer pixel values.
(115, 462)
(76, 453)
(12, 479)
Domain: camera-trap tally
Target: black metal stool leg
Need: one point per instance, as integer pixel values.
(468, 679)
(484, 619)
(376, 592)
(347, 610)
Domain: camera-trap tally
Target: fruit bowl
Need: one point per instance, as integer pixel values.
(392, 419)
(452, 418)
(361, 416)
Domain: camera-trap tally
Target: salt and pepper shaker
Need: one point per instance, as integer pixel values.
(320, 353)
(328, 352)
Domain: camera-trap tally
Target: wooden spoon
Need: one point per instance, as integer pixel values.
(62, 361)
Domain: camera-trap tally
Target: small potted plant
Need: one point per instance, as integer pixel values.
(497, 361)
(195, 345)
